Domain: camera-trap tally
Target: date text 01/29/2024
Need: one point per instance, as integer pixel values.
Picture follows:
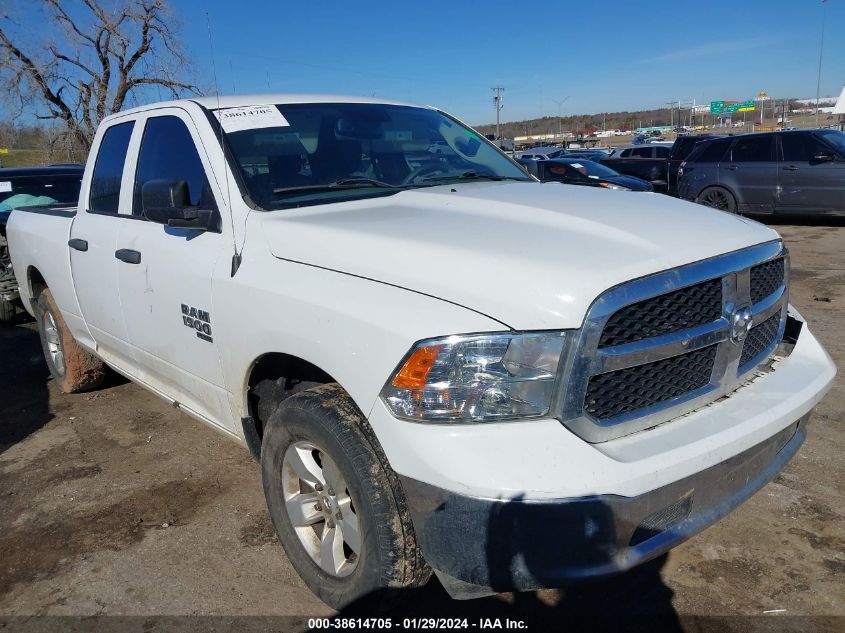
(199, 320)
(413, 624)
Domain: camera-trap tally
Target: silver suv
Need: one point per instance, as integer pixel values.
(801, 171)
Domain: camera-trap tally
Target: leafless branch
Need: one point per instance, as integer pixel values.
(102, 57)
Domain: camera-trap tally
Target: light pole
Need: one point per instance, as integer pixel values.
(559, 103)
(821, 50)
(497, 101)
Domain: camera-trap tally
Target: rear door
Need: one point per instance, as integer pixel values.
(166, 296)
(750, 171)
(93, 239)
(808, 183)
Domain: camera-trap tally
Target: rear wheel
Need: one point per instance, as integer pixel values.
(336, 504)
(72, 367)
(718, 198)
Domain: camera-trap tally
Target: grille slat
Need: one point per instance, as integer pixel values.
(766, 279)
(618, 392)
(760, 338)
(671, 312)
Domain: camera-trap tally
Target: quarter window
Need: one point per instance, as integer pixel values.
(108, 170)
(168, 152)
(753, 149)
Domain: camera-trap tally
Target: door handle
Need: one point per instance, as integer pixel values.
(731, 167)
(128, 255)
(790, 168)
(77, 244)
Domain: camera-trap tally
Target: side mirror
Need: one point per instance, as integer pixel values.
(167, 202)
(824, 157)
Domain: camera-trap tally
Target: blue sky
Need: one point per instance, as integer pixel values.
(604, 55)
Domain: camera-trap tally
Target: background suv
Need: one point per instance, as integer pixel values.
(801, 171)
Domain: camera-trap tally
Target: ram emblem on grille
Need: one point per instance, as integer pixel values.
(741, 322)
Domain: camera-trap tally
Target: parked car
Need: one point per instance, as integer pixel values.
(25, 187)
(596, 155)
(542, 153)
(442, 364)
(800, 171)
(647, 161)
(579, 171)
(681, 148)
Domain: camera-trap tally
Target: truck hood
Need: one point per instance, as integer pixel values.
(530, 255)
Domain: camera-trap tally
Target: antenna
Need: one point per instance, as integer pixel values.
(236, 256)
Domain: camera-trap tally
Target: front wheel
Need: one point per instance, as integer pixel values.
(336, 504)
(717, 198)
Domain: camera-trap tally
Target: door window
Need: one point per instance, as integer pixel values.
(642, 152)
(108, 170)
(661, 151)
(710, 151)
(168, 152)
(753, 149)
(800, 148)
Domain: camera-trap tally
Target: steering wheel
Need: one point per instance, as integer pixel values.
(422, 170)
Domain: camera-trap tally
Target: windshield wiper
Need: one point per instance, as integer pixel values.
(470, 175)
(343, 183)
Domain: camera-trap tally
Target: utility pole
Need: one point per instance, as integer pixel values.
(497, 102)
(821, 50)
(559, 103)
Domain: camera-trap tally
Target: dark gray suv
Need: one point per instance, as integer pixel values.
(800, 171)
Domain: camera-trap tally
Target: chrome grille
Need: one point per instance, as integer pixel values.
(679, 310)
(661, 346)
(626, 390)
(766, 278)
(760, 338)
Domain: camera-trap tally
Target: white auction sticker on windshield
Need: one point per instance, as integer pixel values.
(5, 186)
(251, 117)
(577, 165)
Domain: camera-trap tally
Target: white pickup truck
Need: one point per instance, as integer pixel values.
(442, 363)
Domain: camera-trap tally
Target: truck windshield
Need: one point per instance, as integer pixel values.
(302, 154)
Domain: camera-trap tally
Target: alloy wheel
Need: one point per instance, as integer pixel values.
(320, 509)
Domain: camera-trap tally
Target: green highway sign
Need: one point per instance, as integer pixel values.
(729, 107)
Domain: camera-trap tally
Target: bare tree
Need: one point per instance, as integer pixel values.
(98, 59)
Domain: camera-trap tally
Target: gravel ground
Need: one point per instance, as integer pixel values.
(112, 503)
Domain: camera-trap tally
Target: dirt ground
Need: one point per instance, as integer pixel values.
(113, 503)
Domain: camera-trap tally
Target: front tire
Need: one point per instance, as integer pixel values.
(72, 367)
(336, 504)
(717, 198)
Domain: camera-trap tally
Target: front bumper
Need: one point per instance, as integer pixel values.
(477, 545)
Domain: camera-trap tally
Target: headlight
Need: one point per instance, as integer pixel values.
(478, 378)
(607, 185)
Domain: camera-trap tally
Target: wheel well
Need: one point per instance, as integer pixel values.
(36, 283)
(273, 378)
(724, 188)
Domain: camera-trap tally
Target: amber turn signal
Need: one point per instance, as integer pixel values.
(414, 372)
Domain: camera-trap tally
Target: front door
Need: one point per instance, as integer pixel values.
(92, 246)
(166, 296)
